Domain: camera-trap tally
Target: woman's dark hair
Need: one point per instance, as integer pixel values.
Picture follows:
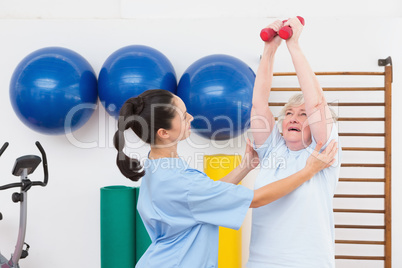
(145, 115)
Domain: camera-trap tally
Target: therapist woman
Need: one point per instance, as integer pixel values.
(181, 207)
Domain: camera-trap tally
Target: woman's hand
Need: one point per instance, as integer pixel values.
(276, 41)
(318, 161)
(250, 160)
(297, 28)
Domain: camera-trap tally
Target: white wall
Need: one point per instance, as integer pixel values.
(63, 227)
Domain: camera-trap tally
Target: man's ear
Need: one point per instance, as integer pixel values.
(162, 133)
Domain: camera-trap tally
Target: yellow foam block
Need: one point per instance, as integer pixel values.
(216, 167)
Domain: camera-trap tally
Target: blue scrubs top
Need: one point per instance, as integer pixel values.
(182, 209)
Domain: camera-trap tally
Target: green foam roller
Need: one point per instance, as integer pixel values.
(143, 240)
(118, 209)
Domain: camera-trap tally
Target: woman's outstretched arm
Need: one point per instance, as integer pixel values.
(319, 115)
(262, 119)
(315, 163)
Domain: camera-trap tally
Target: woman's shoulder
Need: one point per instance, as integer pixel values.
(166, 163)
(168, 167)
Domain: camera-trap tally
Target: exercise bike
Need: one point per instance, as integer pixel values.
(24, 166)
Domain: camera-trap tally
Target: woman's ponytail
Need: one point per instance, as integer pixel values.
(130, 167)
(145, 114)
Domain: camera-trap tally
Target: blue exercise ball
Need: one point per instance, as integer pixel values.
(131, 70)
(217, 91)
(53, 90)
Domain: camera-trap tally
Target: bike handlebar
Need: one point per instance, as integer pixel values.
(34, 183)
(44, 163)
(3, 148)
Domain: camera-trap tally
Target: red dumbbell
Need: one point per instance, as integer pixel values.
(267, 34)
(286, 32)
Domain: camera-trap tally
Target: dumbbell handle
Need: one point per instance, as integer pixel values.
(267, 34)
(286, 31)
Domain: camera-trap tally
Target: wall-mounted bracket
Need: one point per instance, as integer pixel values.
(385, 62)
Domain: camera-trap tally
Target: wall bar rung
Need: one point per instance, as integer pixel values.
(360, 242)
(331, 73)
(359, 211)
(359, 196)
(361, 180)
(339, 104)
(361, 119)
(362, 165)
(361, 134)
(358, 119)
(343, 257)
(332, 89)
(368, 149)
(345, 226)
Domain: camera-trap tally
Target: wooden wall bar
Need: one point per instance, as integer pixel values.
(384, 164)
